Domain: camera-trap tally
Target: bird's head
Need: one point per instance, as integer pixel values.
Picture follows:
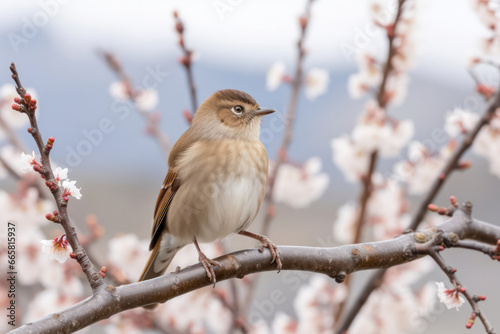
(229, 113)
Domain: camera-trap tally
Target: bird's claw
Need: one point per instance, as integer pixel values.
(275, 255)
(209, 265)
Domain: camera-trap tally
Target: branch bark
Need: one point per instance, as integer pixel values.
(335, 262)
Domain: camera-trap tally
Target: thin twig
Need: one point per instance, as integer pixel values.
(152, 124)
(187, 61)
(95, 280)
(470, 298)
(366, 189)
(452, 164)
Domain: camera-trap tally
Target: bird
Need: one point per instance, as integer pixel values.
(215, 184)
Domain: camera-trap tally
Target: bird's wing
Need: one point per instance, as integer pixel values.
(167, 193)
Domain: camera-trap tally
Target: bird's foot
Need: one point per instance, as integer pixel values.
(267, 243)
(275, 255)
(209, 265)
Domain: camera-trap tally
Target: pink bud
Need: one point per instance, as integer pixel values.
(185, 60)
(17, 100)
(72, 255)
(48, 216)
(464, 164)
(486, 91)
(29, 130)
(55, 213)
(481, 297)
(16, 107)
(432, 207)
(187, 115)
(442, 176)
(179, 27)
(303, 21)
(176, 14)
(27, 97)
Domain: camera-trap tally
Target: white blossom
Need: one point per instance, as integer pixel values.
(299, 187)
(284, 324)
(147, 100)
(58, 249)
(12, 158)
(316, 83)
(450, 297)
(351, 159)
(487, 144)
(344, 227)
(119, 90)
(31, 262)
(423, 168)
(316, 303)
(28, 209)
(460, 121)
(70, 189)
(259, 327)
(128, 254)
(368, 77)
(275, 76)
(375, 131)
(27, 161)
(46, 302)
(60, 174)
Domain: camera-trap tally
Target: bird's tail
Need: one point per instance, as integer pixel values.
(163, 253)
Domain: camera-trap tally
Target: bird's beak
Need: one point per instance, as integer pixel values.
(262, 111)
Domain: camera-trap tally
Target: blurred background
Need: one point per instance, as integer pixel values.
(59, 54)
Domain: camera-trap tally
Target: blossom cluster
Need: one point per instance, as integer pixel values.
(316, 81)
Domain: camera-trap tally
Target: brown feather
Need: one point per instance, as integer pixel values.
(148, 271)
(165, 197)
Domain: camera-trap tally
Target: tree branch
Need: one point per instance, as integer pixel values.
(375, 280)
(152, 124)
(95, 281)
(335, 262)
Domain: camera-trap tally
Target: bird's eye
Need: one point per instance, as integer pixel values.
(237, 109)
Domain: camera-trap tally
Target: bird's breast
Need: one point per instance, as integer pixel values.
(223, 185)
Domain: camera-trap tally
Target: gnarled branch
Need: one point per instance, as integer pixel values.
(336, 262)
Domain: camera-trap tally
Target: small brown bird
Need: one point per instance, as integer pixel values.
(215, 184)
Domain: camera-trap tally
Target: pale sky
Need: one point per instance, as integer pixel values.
(250, 34)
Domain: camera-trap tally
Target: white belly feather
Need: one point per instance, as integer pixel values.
(218, 199)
